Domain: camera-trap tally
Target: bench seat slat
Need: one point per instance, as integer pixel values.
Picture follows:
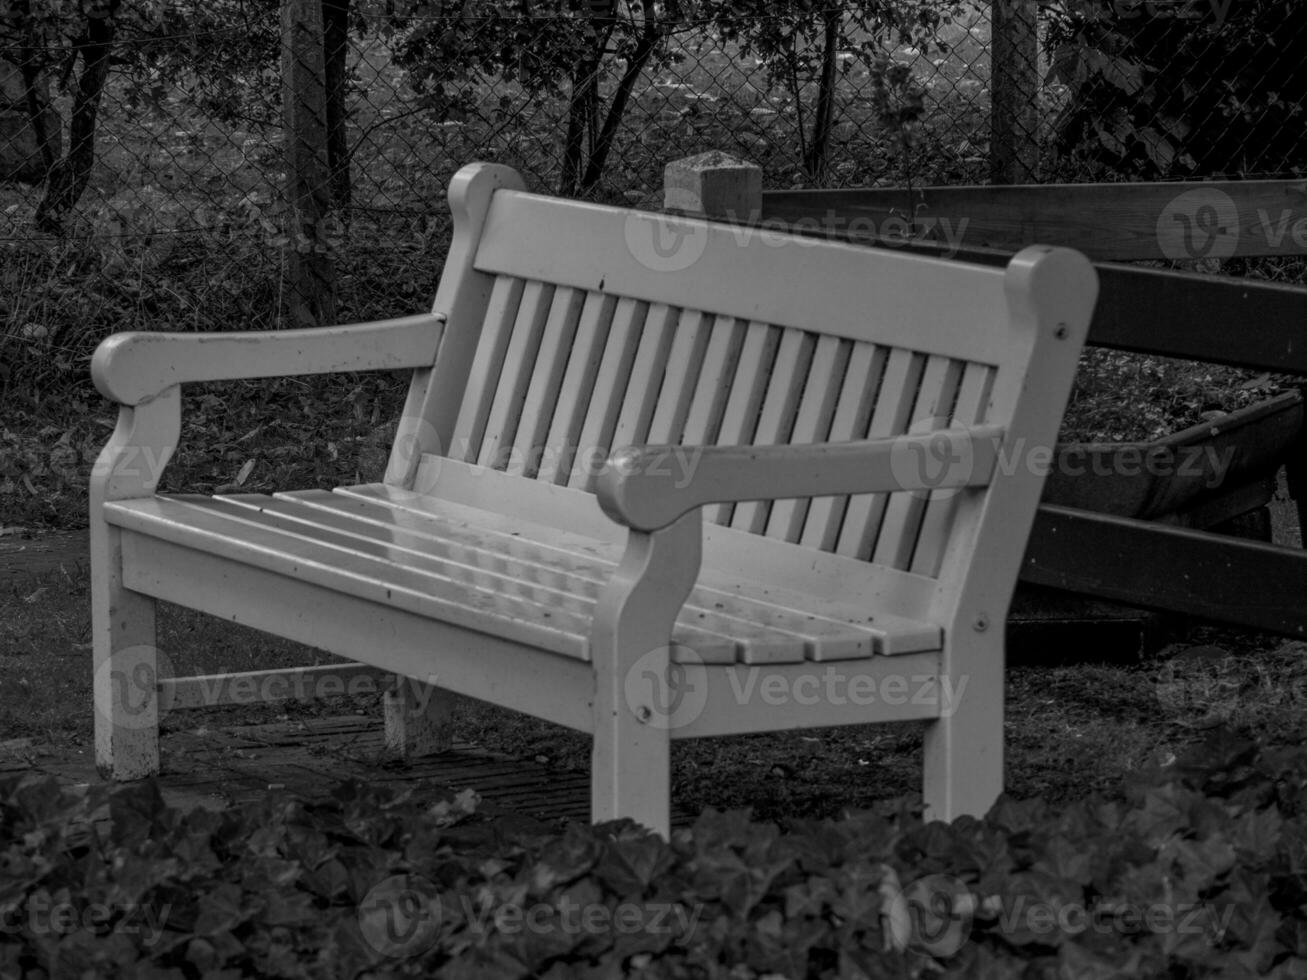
(722, 635)
(531, 586)
(405, 588)
(764, 632)
(837, 629)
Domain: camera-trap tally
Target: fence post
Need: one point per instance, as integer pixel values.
(1014, 91)
(311, 277)
(714, 185)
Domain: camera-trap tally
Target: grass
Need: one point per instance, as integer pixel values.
(1070, 729)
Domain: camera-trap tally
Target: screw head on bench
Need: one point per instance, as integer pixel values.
(644, 713)
(1060, 331)
(980, 623)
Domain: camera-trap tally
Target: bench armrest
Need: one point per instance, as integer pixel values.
(649, 487)
(134, 367)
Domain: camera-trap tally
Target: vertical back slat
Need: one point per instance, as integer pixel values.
(970, 409)
(519, 360)
(816, 412)
(632, 408)
(579, 381)
(631, 322)
(857, 397)
(704, 418)
(890, 417)
(479, 395)
(777, 419)
(903, 511)
(684, 362)
(748, 387)
(546, 376)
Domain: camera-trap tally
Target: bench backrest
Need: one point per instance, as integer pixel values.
(575, 328)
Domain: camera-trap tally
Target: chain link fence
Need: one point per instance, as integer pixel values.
(194, 170)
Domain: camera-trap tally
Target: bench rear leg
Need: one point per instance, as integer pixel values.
(963, 764)
(125, 662)
(419, 718)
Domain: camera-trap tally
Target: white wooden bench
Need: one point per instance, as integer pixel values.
(862, 434)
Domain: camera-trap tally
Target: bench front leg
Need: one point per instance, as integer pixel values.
(123, 637)
(631, 647)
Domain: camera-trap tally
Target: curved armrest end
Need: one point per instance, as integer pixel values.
(113, 371)
(632, 492)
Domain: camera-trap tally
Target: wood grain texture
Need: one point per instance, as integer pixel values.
(132, 368)
(530, 548)
(1124, 222)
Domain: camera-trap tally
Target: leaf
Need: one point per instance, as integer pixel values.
(220, 909)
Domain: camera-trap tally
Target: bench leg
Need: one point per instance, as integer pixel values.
(963, 765)
(125, 664)
(631, 763)
(631, 772)
(419, 718)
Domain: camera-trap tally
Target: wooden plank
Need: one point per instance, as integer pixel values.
(131, 368)
(573, 516)
(1149, 311)
(629, 424)
(515, 376)
(546, 376)
(718, 626)
(900, 299)
(816, 409)
(1108, 222)
(297, 683)
(467, 661)
(704, 418)
(632, 321)
(793, 357)
(894, 400)
(483, 379)
(972, 402)
(1158, 566)
(684, 362)
(852, 416)
(745, 402)
(794, 581)
(903, 511)
(574, 395)
(393, 589)
(1208, 318)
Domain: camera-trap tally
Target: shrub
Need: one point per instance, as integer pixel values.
(1195, 870)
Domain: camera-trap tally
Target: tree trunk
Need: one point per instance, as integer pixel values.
(1014, 122)
(335, 41)
(824, 116)
(644, 50)
(311, 276)
(68, 177)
